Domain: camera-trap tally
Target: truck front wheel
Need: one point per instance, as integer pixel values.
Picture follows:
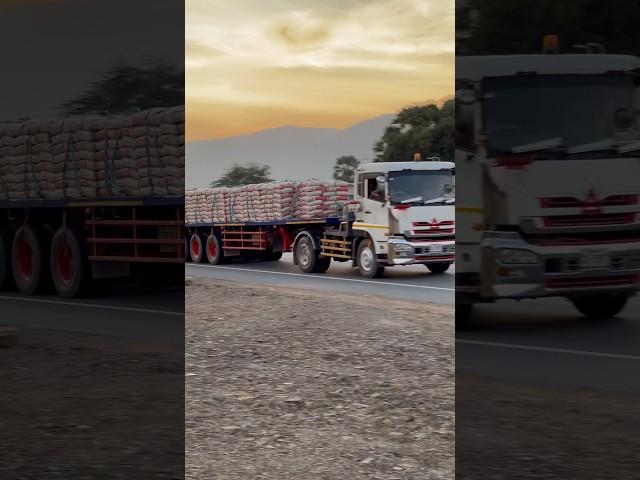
(438, 268)
(367, 262)
(68, 263)
(598, 307)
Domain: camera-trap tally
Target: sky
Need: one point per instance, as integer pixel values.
(53, 49)
(255, 64)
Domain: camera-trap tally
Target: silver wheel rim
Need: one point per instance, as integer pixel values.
(366, 259)
(304, 253)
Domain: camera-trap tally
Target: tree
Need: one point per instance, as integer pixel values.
(427, 130)
(615, 24)
(345, 168)
(125, 87)
(238, 175)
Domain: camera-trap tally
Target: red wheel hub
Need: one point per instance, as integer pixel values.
(195, 246)
(64, 263)
(211, 248)
(25, 259)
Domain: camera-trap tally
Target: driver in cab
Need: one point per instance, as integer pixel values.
(376, 189)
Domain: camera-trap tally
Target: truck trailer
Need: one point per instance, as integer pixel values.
(402, 213)
(90, 198)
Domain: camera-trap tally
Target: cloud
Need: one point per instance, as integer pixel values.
(352, 58)
(301, 31)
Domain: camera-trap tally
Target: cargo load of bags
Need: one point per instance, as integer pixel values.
(129, 155)
(311, 199)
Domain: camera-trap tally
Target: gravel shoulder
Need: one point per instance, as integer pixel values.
(299, 384)
(528, 431)
(89, 407)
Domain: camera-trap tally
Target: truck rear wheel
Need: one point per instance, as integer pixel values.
(68, 263)
(308, 258)
(367, 262)
(196, 247)
(215, 254)
(6, 279)
(438, 268)
(598, 307)
(464, 312)
(30, 260)
(187, 251)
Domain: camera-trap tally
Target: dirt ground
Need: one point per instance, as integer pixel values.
(294, 384)
(525, 431)
(88, 407)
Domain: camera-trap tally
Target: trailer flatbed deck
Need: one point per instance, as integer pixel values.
(119, 201)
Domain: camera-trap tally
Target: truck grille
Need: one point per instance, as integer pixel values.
(444, 230)
(586, 220)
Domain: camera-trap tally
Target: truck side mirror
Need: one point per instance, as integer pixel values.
(465, 96)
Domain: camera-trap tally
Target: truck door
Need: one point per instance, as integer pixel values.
(374, 200)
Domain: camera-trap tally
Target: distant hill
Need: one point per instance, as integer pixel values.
(294, 153)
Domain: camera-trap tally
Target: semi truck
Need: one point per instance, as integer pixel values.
(64, 223)
(548, 147)
(402, 213)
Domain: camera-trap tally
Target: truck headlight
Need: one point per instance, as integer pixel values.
(512, 256)
(402, 250)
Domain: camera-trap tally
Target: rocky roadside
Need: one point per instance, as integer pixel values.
(296, 384)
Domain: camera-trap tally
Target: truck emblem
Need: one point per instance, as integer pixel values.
(592, 203)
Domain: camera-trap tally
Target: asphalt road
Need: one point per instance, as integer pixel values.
(544, 341)
(133, 313)
(413, 282)
(547, 341)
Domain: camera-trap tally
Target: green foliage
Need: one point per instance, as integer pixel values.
(425, 129)
(125, 87)
(239, 175)
(345, 168)
(518, 26)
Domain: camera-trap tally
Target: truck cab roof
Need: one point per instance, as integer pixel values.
(475, 68)
(386, 167)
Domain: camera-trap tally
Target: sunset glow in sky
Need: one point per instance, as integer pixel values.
(255, 64)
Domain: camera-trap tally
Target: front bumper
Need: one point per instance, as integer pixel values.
(560, 270)
(404, 252)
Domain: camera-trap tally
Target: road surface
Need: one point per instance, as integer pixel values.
(541, 341)
(546, 341)
(156, 316)
(410, 283)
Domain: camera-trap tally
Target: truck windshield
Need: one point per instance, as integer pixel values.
(421, 187)
(546, 112)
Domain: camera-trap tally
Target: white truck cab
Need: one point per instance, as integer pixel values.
(404, 214)
(549, 150)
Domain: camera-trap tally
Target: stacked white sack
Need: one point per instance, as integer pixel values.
(140, 154)
(314, 199)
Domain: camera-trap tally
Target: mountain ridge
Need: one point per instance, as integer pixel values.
(292, 152)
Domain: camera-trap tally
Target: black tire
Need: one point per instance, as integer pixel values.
(309, 260)
(197, 247)
(367, 262)
(438, 268)
(30, 260)
(6, 278)
(214, 251)
(68, 264)
(275, 256)
(187, 253)
(464, 312)
(600, 307)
